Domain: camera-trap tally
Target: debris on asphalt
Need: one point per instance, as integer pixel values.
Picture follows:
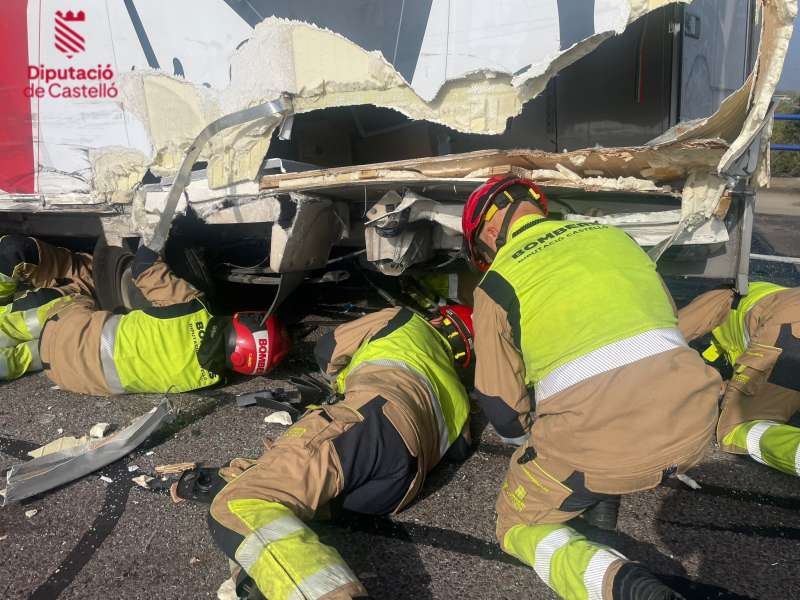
(99, 430)
(149, 453)
(194, 560)
(3, 537)
(31, 513)
(688, 481)
(133, 468)
(227, 591)
(280, 417)
(106, 479)
(173, 493)
(143, 481)
(54, 470)
(175, 468)
(60, 430)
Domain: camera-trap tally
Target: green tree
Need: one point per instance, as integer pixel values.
(786, 163)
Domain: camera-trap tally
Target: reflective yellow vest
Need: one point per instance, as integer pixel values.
(155, 350)
(416, 345)
(731, 336)
(572, 288)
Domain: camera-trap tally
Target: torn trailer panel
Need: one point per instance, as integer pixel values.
(348, 116)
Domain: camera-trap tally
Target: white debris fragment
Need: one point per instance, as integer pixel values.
(227, 591)
(142, 481)
(280, 417)
(194, 560)
(106, 479)
(3, 537)
(31, 513)
(150, 453)
(55, 387)
(99, 430)
(133, 468)
(687, 481)
(60, 430)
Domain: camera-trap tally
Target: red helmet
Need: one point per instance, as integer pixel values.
(254, 347)
(477, 210)
(457, 330)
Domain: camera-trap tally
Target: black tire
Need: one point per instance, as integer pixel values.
(113, 282)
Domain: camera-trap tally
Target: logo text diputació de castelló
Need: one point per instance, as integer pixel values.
(70, 81)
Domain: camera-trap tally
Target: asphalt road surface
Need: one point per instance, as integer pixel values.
(736, 537)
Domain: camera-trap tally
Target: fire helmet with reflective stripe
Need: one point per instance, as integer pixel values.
(497, 193)
(255, 346)
(457, 329)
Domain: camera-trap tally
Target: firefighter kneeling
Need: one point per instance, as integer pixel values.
(758, 335)
(175, 346)
(404, 409)
(573, 323)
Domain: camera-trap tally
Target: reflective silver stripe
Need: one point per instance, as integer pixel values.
(612, 356)
(107, 341)
(547, 547)
(254, 544)
(4, 370)
(7, 341)
(595, 572)
(444, 433)
(324, 581)
(797, 460)
(36, 361)
(32, 322)
(754, 439)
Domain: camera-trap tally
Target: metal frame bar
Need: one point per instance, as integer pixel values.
(748, 196)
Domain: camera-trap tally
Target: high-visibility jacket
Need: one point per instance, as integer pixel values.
(731, 336)
(155, 349)
(571, 313)
(419, 348)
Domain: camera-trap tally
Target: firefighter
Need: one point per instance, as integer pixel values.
(758, 335)
(404, 408)
(577, 348)
(175, 346)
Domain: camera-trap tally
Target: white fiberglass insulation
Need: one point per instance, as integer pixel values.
(98, 150)
(478, 64)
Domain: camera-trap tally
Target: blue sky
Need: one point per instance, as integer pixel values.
(790, 79)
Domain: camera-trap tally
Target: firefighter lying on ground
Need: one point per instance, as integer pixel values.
(175, 346)
(759, 336)
(573, 322)
(404, 409)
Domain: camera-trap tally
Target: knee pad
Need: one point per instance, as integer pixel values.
(786, 368)
(16, 250)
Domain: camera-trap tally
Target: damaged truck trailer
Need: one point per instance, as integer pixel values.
(286, 136)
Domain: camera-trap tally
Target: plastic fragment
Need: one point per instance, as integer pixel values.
(227, 591)
(106, 479)
(280, 417)
(31, 513)
(143, 481)
(685, 479)
(133, 468)
(99, 430)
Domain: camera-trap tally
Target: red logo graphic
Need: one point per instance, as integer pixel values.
(69, 41)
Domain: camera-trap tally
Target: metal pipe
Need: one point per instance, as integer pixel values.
(794, 260)
(789, 147)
